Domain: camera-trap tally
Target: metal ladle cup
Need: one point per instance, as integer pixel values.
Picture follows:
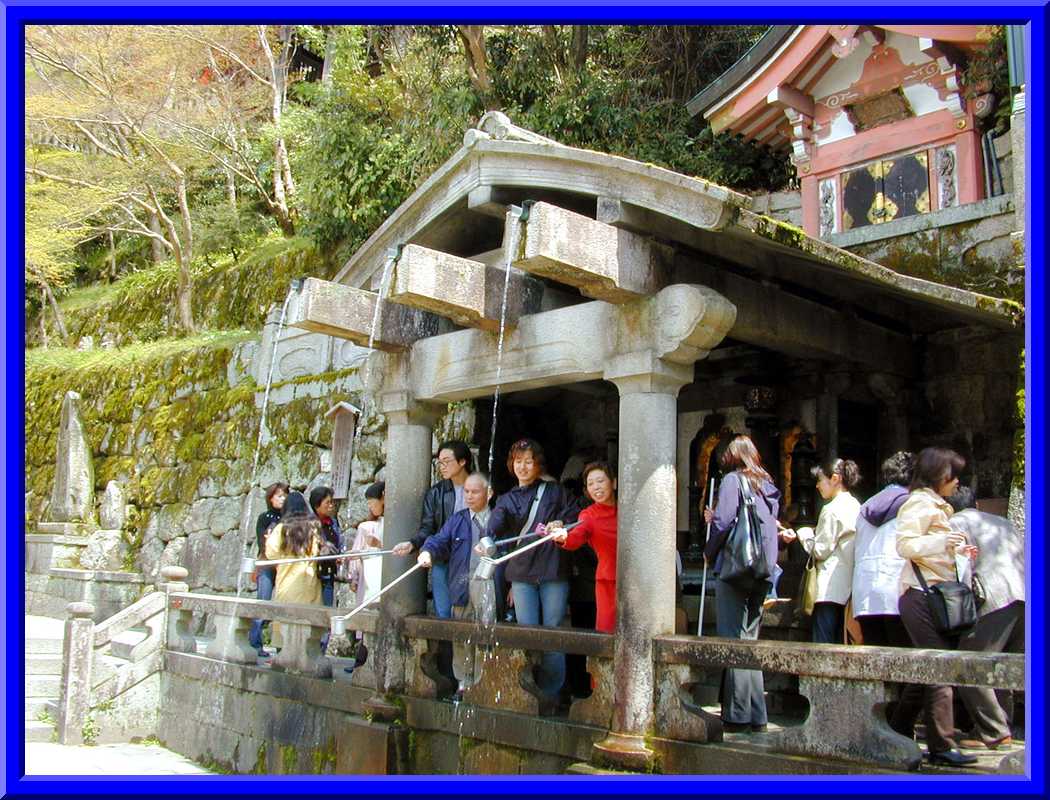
(486, 568)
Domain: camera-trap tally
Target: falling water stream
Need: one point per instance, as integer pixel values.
(510, 250)
(246, 522)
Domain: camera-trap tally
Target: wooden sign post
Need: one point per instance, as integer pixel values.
(343, 428)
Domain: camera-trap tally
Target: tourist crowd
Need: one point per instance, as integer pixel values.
(882, 563)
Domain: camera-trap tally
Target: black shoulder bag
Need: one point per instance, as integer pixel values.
(951, 605)
(743, 556)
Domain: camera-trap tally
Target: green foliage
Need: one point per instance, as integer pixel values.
(90, 730)
(229, 293)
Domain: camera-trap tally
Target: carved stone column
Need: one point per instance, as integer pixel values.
(410, 426)
(645, 563)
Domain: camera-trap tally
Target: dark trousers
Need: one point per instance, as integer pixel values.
(739, 615)
(263, 591)
(935, 701)
(328, 598)
(828, 619)
(991, 635)
(884, 630)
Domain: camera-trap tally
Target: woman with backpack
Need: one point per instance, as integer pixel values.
(739, 602)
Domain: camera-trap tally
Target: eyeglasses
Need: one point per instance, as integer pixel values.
(446, 462)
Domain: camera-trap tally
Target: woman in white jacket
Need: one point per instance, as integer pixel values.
(831, 546)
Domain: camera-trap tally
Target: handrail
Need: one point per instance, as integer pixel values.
(847, 662)
(247, 608)
(138, 612)
(526, 637)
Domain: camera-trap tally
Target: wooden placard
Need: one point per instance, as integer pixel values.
(343, 429)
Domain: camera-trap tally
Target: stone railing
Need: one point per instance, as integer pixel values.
(100, 663)
(508, 654)
(302, 628)
(846, 686)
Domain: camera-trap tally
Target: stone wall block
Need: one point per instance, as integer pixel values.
(106, 550)
(597, 709)
(227, 564)
(200, 513)
(150, 558)
(846, 721)
(225, 515)
(301, 651)
(677, 715)
(113, 510)
(199, 556)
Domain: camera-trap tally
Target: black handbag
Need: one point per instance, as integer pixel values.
(743, 556)
(951, 605)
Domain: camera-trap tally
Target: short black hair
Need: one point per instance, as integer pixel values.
(318, 495)
(460, 452)
(376, 491)
(897, 469)
(962, 499)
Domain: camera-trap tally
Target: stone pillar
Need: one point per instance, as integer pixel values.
(410, 426)
(73, 494)
(74, 700)
(645, 561)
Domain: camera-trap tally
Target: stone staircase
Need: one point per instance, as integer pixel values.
(43, 672)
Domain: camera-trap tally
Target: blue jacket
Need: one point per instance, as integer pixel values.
(452, 543)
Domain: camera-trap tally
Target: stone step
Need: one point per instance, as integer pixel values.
(44, 664)
(123, 643)
(39, 731)
(37, 705)
(43, 646)
(43, 686)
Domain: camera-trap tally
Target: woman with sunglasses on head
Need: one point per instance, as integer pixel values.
(539, 578)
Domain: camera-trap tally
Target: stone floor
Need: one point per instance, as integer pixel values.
(43, 758)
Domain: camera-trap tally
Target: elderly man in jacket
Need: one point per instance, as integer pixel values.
(472, 598)
(1000, 619)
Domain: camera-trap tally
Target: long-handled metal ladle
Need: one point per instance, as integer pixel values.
(248, 564)
(338, 625)
(487, 566)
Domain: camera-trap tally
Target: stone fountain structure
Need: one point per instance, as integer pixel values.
(621, 272)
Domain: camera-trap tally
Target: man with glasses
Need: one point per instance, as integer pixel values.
(455, 463)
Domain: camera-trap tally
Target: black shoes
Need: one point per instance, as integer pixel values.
(951, 758)
(759, 727)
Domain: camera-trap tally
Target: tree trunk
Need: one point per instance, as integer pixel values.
(473, 38)
(112, 258)
(579, 47)
(329, 57)
(159, 253)
(60, 323)
(231, 189)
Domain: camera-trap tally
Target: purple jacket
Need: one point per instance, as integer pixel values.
(767, 503)
(883, 507)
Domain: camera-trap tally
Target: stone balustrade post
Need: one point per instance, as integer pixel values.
(645, 562)
(178, 624)
(231, 640)
(75, 694)
(301, 650)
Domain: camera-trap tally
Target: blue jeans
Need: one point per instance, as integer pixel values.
(264, 591)
(328, 598)
(551, 600)
(439, 584)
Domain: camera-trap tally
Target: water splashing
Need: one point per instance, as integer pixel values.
(510, 250)
(246, 523)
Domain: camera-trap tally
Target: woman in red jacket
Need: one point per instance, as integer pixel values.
(598, 529)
